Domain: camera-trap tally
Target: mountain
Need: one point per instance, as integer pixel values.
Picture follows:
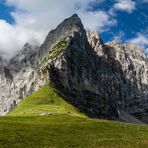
(16, 78)
(102, 80)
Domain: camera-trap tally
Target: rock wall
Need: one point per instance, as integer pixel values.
(17, 78)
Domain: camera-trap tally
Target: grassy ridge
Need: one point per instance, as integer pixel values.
(66, 127)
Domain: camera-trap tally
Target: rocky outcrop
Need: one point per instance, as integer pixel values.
(101, 80)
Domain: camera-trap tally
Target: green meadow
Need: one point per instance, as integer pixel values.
(45, 120)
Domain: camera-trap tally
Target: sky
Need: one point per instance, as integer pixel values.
(30, 21)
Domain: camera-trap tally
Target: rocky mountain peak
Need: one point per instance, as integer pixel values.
(96, 42)
(67, 28)
(94, 38)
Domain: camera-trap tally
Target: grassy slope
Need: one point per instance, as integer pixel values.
(43, 101)
(66, 127)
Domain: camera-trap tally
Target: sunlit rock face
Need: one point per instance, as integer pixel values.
(102, 80)
(128, 80)
(134, 65)
(17, 77)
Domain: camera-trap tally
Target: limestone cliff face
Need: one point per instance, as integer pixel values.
(134, 64)
(16, 78)
(101, 80)
(127, 80)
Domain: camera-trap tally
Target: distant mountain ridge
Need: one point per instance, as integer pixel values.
(101, 80)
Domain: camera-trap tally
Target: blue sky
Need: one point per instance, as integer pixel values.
(130, 23)
(30, 21)
(5, 12)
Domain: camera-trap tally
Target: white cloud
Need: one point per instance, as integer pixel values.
(34, 19)
(125, 5)
(14, 37)
(99, 20)
(141, 40)
(119, 36)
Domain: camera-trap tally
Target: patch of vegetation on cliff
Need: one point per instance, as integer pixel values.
(44, 101)
(54, 52)
(58, 49)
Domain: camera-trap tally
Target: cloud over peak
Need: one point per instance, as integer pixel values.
(34, 19)
(140, 39)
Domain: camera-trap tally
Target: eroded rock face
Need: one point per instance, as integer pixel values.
(96, 42)
(102, 81)
(127, 80)
(17, 78)
(134, 64)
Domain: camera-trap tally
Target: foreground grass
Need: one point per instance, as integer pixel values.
(64, 131)
(65, 127)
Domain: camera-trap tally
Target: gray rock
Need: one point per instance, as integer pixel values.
(17, 78)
